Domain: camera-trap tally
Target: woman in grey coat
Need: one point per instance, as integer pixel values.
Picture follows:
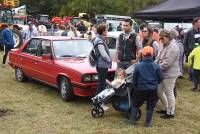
(168, 59)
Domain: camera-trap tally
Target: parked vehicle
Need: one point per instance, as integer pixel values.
(111, 41)
(22, 20)
(43, 19)
(6, 17)
(114, 20)
(58, 61)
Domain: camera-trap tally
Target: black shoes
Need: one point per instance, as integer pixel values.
(181, 77)
(195, 89)
(162, 112)
(167, 116)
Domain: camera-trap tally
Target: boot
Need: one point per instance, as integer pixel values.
(133, 116)
(149, 116)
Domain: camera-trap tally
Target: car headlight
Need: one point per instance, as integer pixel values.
(90, 78)
(95, 77)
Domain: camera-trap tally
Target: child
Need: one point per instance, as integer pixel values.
(147, 76)
(120, 77)
(194, 62)
(115, 84)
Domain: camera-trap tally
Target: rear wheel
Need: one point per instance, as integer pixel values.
(18, 38)
(19, 75)
(66, 89)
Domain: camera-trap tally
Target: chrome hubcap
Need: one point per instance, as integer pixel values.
(16, 40)
(63, 88)
(19, 74)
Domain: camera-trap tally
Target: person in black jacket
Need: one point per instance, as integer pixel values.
(147, 76)
(191, 37)
(190, 41)
(128, 46)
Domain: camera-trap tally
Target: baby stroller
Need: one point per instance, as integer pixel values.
(121, 98)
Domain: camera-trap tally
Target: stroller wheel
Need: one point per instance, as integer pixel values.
(97, 112)
(138, 115)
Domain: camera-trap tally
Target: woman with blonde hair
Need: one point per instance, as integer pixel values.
(168, 59)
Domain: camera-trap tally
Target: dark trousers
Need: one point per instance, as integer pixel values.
(191, 74)
(196, 78)
(124, 65)
(102, 75)
(6, 50)
(149, 96)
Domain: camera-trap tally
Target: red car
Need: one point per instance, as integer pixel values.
(58, 61)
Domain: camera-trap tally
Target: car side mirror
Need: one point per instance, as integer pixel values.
(46, 56)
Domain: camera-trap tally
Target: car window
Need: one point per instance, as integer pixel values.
(111, 41)
(72, 48)
(44, 48)
(32, 46)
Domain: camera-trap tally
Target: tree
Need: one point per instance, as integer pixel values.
(73, 7)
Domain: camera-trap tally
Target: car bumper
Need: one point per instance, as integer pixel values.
(88, 90)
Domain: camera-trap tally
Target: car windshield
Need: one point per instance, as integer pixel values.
(72, 48)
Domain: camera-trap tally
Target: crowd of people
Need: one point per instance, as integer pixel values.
(159, 59)
(158, 55)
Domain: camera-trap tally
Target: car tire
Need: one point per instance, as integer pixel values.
(66, 89)
(18, 38)
(20, 76)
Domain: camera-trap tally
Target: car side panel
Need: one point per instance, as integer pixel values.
(47, 70)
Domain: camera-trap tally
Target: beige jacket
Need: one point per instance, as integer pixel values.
(168, 59)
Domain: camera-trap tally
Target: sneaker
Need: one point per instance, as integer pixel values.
(167, 116)
(162, 112)
(129, 122)
(193, 89)
(148, 125)
(105, 108)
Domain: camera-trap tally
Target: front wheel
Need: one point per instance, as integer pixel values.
(19, 75)
(66, 89)
(97, 112)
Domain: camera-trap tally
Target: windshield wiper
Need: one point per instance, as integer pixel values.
(67, 56)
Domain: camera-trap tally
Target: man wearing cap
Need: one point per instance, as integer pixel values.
(147, 76)
(7, 41)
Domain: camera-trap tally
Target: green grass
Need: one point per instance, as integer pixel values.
(39, 109)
